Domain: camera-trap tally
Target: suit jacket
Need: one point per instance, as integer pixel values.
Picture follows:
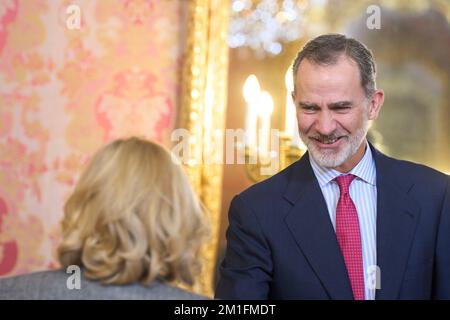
(52, 285)
(281, 243)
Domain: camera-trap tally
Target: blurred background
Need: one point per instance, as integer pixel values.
(77, 74)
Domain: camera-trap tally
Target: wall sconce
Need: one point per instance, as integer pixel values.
(264, 145)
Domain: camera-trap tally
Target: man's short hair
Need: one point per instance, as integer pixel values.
(326, 50)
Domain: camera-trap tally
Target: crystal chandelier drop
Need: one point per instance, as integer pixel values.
(264, 25)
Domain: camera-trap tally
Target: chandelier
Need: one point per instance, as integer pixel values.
(264, 25)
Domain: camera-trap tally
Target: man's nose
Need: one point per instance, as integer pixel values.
(325, 123)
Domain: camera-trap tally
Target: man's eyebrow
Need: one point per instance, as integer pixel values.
(337, 104)
(340, 104)
(305, 104)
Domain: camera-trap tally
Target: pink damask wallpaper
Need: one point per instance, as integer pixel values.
(67, 88)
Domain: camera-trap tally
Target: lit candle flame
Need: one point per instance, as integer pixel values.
(251, 88)
(265, 112)
(251, 93)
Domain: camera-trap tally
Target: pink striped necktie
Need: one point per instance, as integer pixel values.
(348, 236)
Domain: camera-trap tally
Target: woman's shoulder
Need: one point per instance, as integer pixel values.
(71, 284)
(156, 291)
(32, 285)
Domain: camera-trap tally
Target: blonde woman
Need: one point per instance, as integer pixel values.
(133, 226)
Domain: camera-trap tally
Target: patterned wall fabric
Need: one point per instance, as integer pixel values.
(64, 92)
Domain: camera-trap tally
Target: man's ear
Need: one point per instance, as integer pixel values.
(375, 104)
(293, 96)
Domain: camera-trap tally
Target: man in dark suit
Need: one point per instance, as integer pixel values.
(345, 221)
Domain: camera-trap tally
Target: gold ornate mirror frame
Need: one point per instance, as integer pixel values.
(202, 113)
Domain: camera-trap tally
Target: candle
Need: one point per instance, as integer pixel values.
(290, 121)
(251, 93)
(265, 112)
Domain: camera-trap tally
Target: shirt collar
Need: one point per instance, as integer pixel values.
(364, 170)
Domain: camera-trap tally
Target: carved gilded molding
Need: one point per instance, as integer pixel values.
(202, 113)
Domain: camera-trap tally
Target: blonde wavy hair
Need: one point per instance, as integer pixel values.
(133, 217)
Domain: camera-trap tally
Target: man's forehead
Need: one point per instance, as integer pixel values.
(340, 60)
(340, 78)
(337, 103)
(329, 93)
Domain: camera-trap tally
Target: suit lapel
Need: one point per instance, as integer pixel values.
(397, 217)
(310, 225)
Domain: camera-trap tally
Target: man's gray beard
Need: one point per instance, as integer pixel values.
(330, 159)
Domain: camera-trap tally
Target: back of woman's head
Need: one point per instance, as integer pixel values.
(133, 216)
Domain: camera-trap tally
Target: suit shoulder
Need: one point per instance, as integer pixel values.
(418, 174)
(422, 172)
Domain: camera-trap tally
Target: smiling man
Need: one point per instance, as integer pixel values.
(334, 110)
(345, 221)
